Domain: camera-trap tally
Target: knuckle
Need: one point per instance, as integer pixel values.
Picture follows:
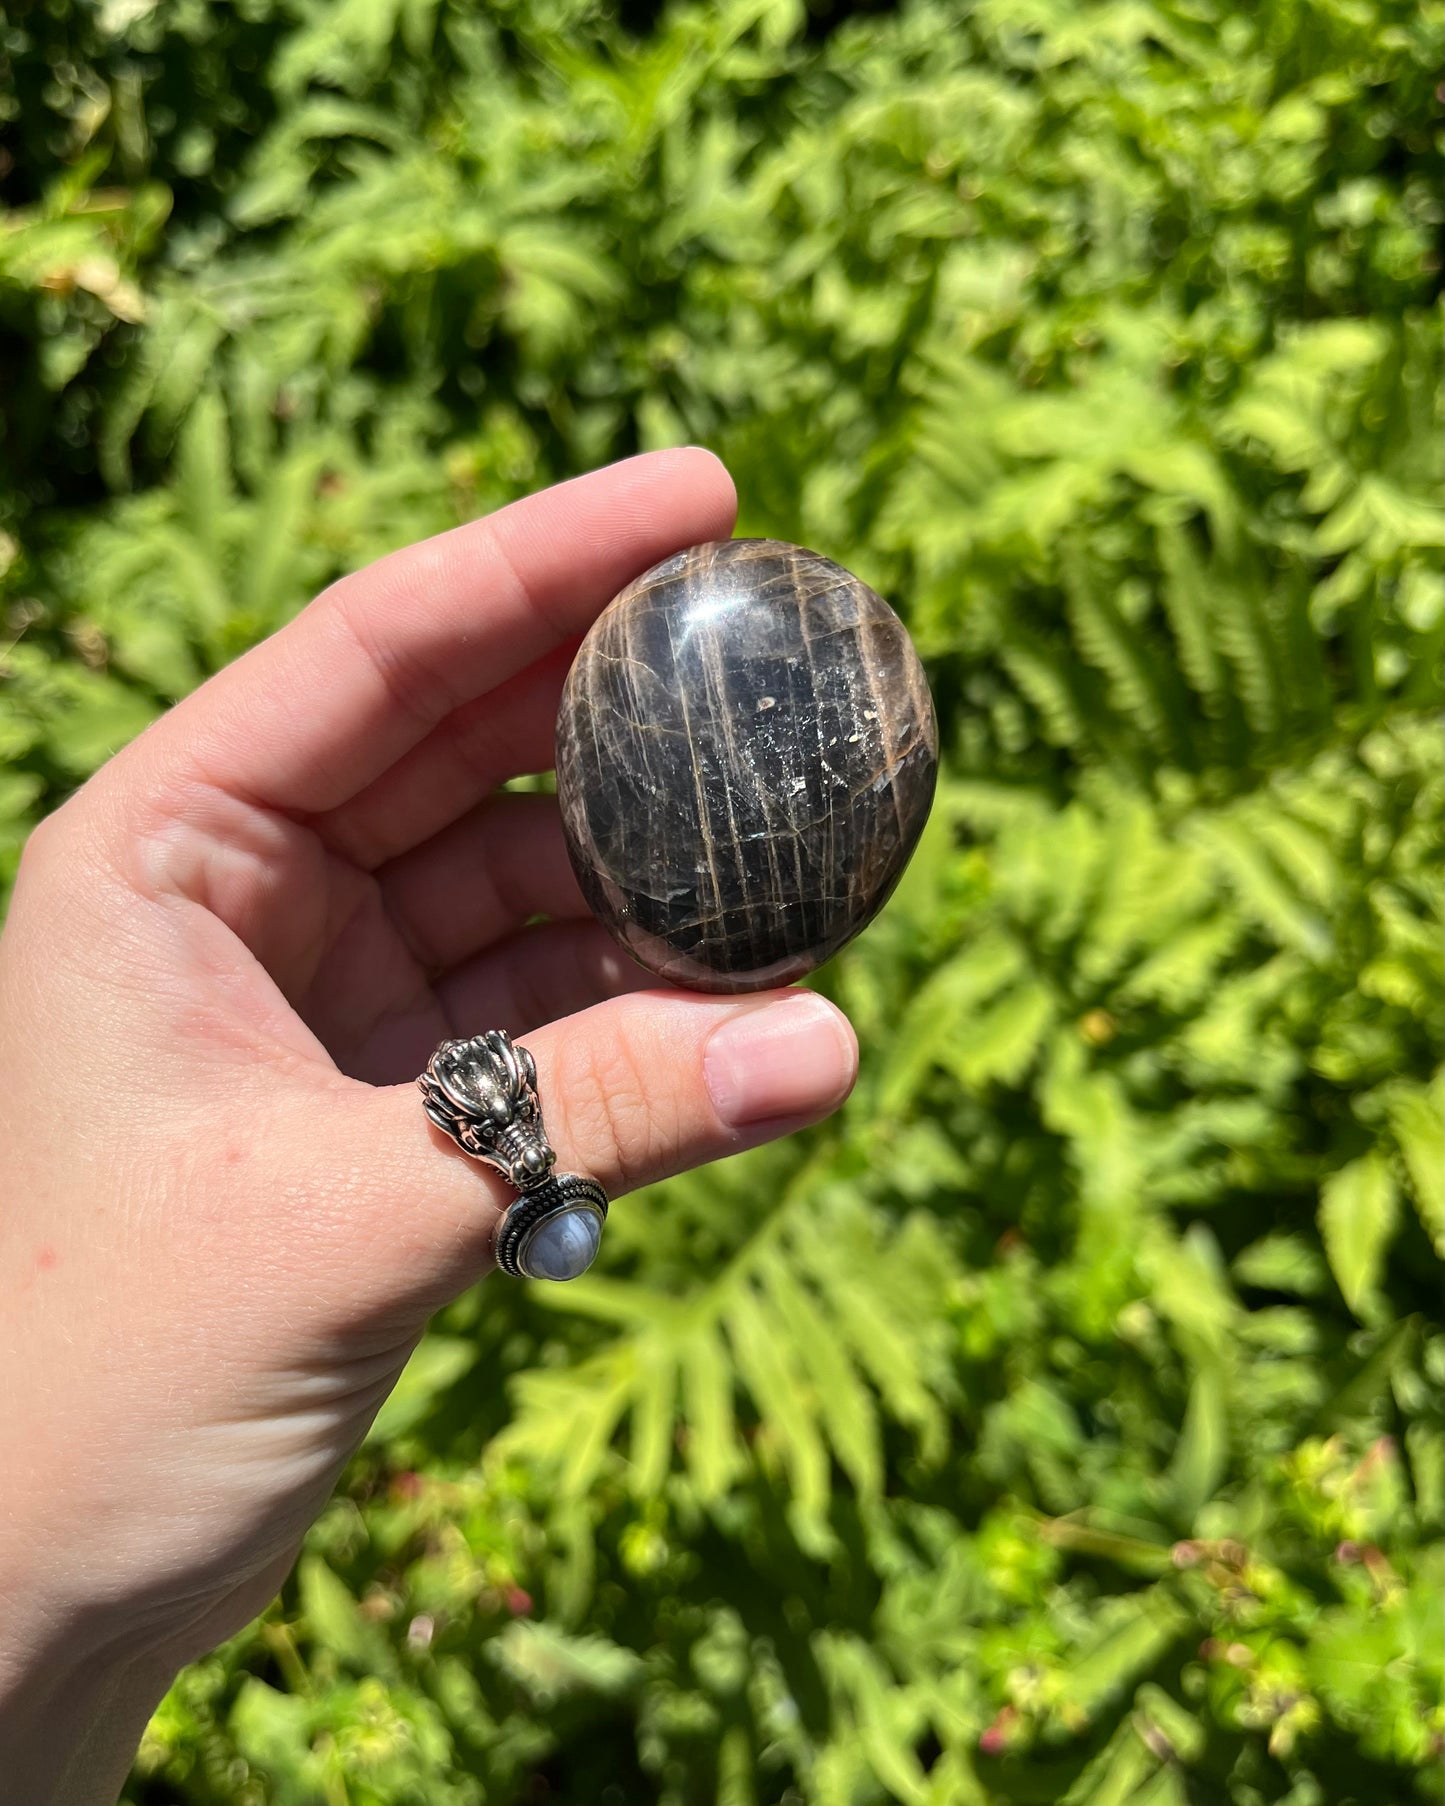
(33, 854)
(52, 846)
(419, 692)
(613, 1116)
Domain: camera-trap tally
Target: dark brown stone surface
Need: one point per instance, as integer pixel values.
(746, 756)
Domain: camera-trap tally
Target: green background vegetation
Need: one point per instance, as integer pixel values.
(1063, 1423)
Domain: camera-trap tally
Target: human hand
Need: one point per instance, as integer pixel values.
(224, 1218)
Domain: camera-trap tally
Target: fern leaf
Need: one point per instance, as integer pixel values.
(880, 1329)
(203, 473)
(1181, 972)
(1187, 597)
(1000, 1043)
(1417, 1117)
(1357, 1217)
(1137, 683)
(1261, 887)
(1201, 1455)
(786, 1406)
(1045, 679)
(932, 1017)
(844, 1403)
(1245, 639)
(653, 1419)
(1141, 1628)
(711, 1445)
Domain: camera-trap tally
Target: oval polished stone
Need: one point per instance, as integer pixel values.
(746, 756)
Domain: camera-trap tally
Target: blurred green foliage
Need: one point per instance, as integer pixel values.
(1063, 1424)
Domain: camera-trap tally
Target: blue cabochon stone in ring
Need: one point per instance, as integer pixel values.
(563, 1247)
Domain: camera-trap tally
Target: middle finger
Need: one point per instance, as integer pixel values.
(481, 878)
(507, 734)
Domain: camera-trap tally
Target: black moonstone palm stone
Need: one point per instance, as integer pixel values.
(746, 756)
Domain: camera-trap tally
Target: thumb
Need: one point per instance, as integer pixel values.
(634, 1090)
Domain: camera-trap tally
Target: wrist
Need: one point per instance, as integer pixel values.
(70, 1724)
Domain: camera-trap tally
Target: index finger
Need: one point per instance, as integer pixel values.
(313, 714)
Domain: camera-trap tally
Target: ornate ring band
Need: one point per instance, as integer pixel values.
(483, 1093)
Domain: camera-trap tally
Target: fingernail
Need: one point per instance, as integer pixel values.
(795, 1057)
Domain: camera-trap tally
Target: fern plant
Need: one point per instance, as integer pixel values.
(1062, 1424)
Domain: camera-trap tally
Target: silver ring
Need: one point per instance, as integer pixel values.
(483, 1093)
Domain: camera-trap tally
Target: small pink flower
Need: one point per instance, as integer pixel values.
(994, 1740)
